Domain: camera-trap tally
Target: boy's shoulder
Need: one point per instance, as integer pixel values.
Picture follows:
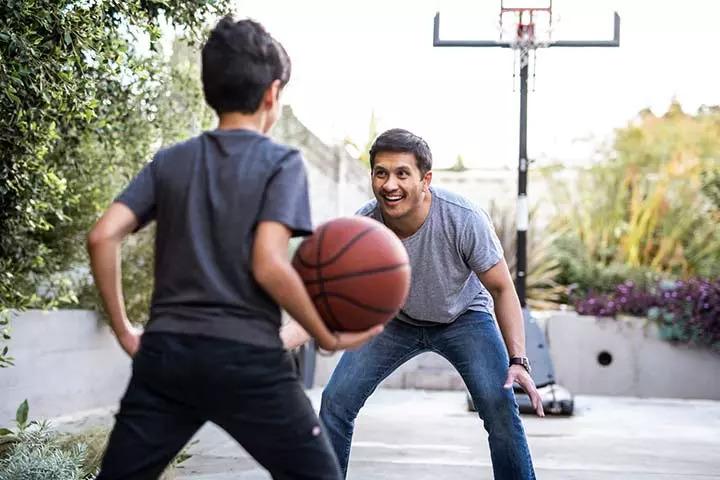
(230, 143)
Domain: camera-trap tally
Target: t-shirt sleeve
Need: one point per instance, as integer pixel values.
(287, 199)
(480, 245)
(139, 195)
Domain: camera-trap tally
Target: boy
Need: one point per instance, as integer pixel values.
(226, 204)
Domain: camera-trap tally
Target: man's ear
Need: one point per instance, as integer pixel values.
(272, 95)
(427, 179)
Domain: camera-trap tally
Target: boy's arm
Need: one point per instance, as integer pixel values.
(103, 244)
(273, 271)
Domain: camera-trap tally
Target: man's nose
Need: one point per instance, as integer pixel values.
(390, 184)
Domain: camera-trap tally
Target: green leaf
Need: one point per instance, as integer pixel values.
(22, 413)
(5, 431)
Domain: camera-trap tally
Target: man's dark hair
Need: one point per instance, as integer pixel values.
(399, 140)
(239, 62)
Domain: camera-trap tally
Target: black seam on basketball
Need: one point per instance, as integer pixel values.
(339, 253)
(357, 274)
(318, 269)
(355, 302)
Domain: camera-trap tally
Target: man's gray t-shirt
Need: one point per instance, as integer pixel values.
(207, 195)
(456, 241)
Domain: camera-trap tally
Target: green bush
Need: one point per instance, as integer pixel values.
(38, 458)
(648, 210)
(75, 95)
(32, 452)
(176, 110)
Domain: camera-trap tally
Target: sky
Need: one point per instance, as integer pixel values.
(353, 58)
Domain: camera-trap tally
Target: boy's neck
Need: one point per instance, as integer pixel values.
(244, 121)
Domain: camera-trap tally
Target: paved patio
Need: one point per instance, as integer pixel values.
(418, 435)
(411, 434)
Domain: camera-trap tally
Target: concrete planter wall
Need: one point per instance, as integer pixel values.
(68, 361)
(593, 356)
(65, 361)
(626, 356)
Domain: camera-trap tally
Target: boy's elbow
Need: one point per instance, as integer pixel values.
(96, 237)
(265, 270)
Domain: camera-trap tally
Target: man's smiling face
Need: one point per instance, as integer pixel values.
(398, 184)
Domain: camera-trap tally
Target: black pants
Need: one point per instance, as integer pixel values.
(180, 381)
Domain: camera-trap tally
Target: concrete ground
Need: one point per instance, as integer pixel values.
(419, 435)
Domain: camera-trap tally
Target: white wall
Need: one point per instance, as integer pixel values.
(339, 184)
(65, 361)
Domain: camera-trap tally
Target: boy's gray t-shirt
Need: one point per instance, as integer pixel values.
(207, 195)
(456, 240)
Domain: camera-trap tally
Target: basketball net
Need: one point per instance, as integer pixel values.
(526, 30)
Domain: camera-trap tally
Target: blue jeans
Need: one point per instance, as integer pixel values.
(473, 345)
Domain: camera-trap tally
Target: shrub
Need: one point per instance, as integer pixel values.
(685, 311)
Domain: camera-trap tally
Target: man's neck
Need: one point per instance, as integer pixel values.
(406, 226)
(236, 120)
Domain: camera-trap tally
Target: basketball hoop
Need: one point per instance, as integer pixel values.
(525, 26)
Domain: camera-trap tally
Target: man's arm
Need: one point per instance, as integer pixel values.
(103, 244)
(507, 307)
(293, 335)
(273, 271)
(510, 320)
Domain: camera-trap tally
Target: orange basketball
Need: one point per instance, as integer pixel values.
(356, 271)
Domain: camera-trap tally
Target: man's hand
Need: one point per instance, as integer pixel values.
(130, 340)
(293, 335)
(517, 374)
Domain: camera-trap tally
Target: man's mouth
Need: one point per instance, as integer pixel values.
(393, 199)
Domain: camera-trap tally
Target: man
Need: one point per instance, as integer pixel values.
(459, 278)
(226, 204)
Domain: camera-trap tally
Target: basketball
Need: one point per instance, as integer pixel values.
(356, 271)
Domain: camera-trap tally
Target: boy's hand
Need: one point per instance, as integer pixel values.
(130, 341)
(353, 340)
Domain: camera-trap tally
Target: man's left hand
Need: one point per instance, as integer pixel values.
(518, 374)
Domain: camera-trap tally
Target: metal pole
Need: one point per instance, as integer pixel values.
(522, 203)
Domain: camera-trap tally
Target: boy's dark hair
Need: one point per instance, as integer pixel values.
(239, 62)
(399, 140)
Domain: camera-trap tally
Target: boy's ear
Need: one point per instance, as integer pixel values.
(272, 94)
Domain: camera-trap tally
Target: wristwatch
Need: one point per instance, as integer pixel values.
(523, 361)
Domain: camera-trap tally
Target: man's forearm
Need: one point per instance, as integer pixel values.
(510, 319)
(106, 270)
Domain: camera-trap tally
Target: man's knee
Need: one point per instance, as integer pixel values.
(498, 403)
(340, 401)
